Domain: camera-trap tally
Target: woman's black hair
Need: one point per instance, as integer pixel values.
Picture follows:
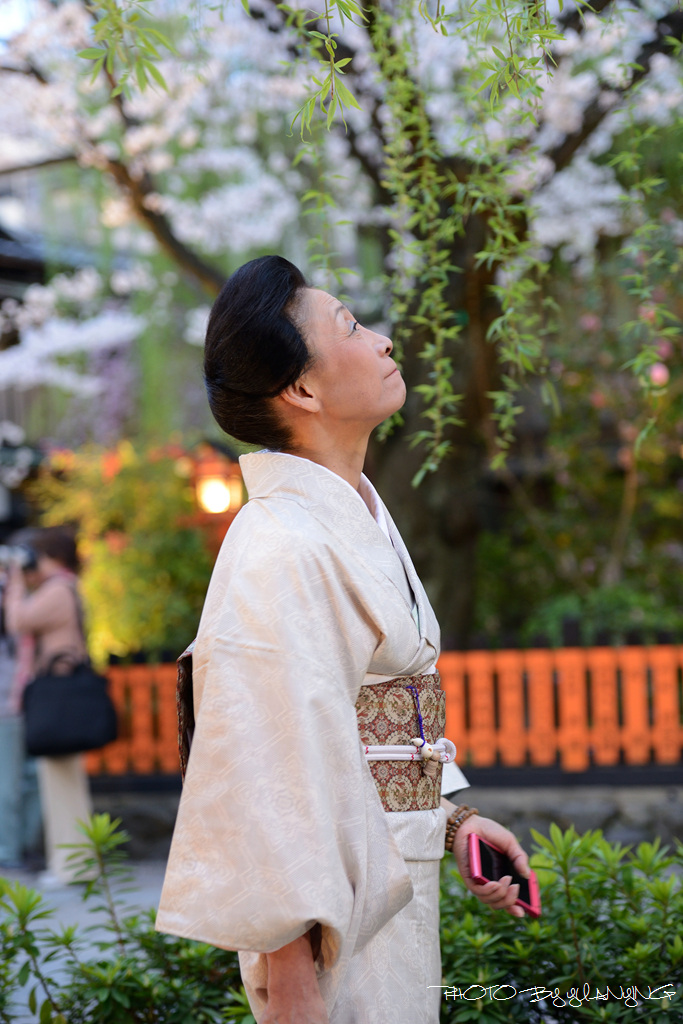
(254, 350)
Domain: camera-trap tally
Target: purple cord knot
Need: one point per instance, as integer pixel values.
(416, 698)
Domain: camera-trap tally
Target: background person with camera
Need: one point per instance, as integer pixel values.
(42, 603)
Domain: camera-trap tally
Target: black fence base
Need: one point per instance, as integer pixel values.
(132, 783)
(495, 777)
(612, 775)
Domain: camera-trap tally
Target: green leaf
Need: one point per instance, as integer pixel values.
(332, 106)
(164, 40)
(156, 74)
(345, 96)
(92, 53)
(141, 75)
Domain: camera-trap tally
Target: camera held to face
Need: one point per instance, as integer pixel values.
(18, 554)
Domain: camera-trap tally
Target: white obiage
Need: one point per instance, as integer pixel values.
(280, 825)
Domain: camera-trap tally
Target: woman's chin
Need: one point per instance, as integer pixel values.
(393, 408)
(401, 394)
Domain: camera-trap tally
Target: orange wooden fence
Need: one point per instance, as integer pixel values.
(148, 732)
(573, 707)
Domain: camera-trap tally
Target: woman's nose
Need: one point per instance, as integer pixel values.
(383, 344)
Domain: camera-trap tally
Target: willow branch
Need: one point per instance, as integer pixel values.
(370, 102)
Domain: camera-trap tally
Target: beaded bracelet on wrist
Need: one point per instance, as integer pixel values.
(459, 815)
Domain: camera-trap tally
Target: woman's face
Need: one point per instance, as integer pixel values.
(45, 568)
(353, 375)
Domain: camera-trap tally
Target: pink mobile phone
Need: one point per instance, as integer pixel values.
(489, 864)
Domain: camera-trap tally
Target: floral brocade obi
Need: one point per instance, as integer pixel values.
(391, 714)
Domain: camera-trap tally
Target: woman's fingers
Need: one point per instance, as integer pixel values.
(497, 894)
(500, 895)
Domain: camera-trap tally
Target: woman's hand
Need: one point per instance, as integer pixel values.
(15, 576)
(293, 990)
(502, 894)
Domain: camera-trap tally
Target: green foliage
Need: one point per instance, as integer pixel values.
(146, 566)
(126, 972)
(609, 925)
(611, 919)
(127, 44)
(331, 94)
(520, 594)
(422, 240)
(618, 611)
(592, 529)
(435, 203)
(433, 200)
(442, 204)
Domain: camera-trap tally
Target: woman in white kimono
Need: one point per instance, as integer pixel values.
(286, 848)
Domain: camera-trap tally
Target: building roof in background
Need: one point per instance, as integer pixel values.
(24, 257)
(22, 262)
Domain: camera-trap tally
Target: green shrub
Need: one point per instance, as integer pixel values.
(127, 973)
(611, 918)
(616, 611)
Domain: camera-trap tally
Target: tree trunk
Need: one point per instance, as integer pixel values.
(439, 522)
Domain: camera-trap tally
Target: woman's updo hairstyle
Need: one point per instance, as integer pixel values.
(254, 350)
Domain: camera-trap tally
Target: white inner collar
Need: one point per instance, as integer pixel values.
(372, 499)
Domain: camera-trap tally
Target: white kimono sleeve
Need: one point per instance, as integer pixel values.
(279, 825)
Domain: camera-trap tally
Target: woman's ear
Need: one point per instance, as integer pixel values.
(301, 395)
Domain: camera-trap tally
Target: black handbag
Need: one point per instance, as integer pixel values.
(68, 712)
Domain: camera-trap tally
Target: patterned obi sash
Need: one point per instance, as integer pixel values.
(399, 715)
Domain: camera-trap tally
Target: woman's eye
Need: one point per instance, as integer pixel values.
(354, 325)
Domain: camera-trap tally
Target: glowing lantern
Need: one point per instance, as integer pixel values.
(218, 482)
(215, 494)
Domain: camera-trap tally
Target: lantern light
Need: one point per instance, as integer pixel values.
(218, 481)
(214, 494)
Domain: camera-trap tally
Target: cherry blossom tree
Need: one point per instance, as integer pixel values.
(444, 168)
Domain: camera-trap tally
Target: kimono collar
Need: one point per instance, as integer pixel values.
(269, 473)
(321, 492)
(334, 502)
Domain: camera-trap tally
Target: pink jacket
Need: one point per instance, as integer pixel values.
(50, 616)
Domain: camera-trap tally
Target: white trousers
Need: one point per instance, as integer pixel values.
(65, 799)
